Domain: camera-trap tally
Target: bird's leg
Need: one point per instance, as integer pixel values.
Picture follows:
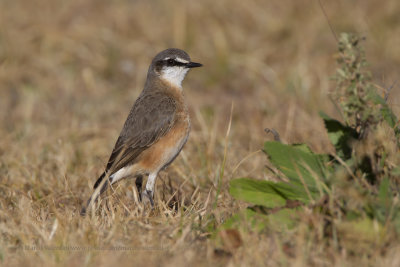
(148, 193)
(139, 182)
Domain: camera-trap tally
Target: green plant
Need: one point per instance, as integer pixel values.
(354, 189)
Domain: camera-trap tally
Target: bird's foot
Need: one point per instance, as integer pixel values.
(147, 197)
(139, 182)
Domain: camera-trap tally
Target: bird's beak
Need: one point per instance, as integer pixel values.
(193, 65)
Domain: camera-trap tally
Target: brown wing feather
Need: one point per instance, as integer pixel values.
(150, 118)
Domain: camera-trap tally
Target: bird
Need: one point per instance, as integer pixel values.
(156, 129)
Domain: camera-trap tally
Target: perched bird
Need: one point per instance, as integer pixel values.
(156, 129)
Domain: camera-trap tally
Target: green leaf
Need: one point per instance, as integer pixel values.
(360, 232)
(396, 218)
(304, 169)
(279, 221)
(396, 171)
(386, 111)
(267, 193)
(302, 147)
(339, 135)
(256, 192)
(283, 219)
(256, 221)
(291, 191)
(384, 193)
(389, 116)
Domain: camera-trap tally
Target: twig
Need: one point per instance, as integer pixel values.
(274, 132)
(387, 91)
(327, 19)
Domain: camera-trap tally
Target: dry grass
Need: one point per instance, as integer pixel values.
(69, 72)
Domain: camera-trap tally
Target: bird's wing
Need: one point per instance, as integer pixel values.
(150, 118)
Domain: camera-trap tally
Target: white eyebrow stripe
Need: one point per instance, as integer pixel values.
(181, 60)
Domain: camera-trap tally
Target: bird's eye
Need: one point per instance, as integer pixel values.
(170, 61)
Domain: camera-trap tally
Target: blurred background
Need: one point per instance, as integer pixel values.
(70, 71)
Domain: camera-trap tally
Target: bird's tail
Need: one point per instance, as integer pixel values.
(96, 192)
(97, 183)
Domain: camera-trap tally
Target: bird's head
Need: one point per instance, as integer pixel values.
(172, 65)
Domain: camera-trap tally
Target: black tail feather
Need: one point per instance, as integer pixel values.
(104, 187)
(138, 182)
(98, 182)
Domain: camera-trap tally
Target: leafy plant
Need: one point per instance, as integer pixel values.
(353, 189)
(304, 169)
